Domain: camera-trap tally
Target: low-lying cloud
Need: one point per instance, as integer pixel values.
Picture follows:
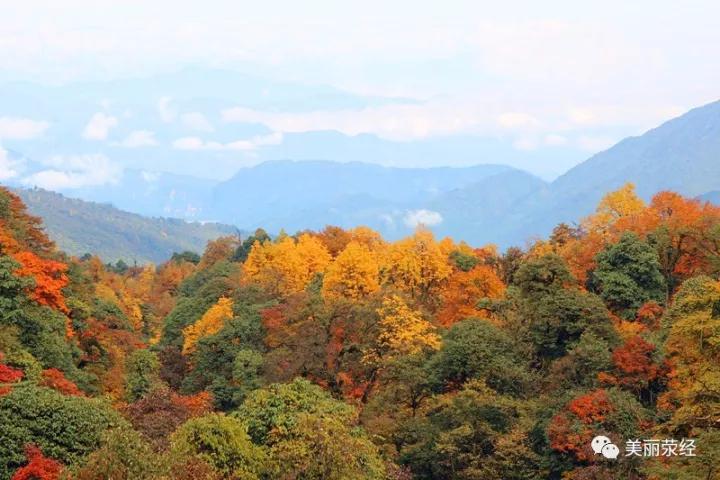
(75, 171)
(9, 167)
(428, 218)
(196, 143)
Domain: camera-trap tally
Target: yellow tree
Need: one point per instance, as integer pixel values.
(403, 330)
(286, 266)
(417, 265)
(621, 203)
(693, 348)
(353, 274)
(211, 322)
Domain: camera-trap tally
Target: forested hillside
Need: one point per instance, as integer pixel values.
(81, 227)
(336, 354)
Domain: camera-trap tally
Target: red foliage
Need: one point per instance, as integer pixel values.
(650, 314)
(591, 407)
(55, 379)
(50, 278)
(8, 375)
(634, 365)
(568, 437)
(273, 319)
(196, 405)
(39, 467)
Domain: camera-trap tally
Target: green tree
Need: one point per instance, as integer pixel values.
(65, 428)
(142, 370)
(123, 454)
(557, 320)
(628, 274)
(223, 442)
(476, 349)
(542, 276)
(276, 407)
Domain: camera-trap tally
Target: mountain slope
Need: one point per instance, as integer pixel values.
(682, 155)
(80, 227)
(712, 197)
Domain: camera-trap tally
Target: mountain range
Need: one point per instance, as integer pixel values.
(479, 204)
(80, 227)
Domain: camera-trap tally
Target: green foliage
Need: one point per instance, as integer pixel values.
(462, 433)
(141, 374)
(123, 454)
(582, 364)
(247, 373)
(12, 289)
(113, 234)
(556, 321)
(110, 314)
(628, 274)
(476, 349)
(243, 250)
(214, 360)
(223, 442)
(197, 294)
(276, 408)
(464, 261)
(65, 428)
(542, 276)
(324, 448)
(186, 256)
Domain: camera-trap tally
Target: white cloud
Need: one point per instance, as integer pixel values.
(517, 120)
(428, 218)
(195, 143)
(14, 128)
(137, 139)
(196, 121)
(9, 167)
(393, 122)
(99, 126)
(75, 171)
(167, 112)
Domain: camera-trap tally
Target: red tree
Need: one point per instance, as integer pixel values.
(39, 467)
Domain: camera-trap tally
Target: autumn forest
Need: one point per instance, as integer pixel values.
(336, 354)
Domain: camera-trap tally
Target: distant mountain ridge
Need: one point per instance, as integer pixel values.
(80, 227)
(481, 204)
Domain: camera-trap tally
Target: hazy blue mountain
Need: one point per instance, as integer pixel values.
(487, 211)
(712, 197)
(298, 195)
(154, 194)
(190, 104)
(80, 227)
(682, 155)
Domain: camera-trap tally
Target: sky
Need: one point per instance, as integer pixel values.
(557, 80)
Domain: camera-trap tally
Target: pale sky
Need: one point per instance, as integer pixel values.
(550, 73)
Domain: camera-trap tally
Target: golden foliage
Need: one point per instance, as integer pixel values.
(354, 273)
(286, 266)
(403, 330)
(211, 322)
(417, 265)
